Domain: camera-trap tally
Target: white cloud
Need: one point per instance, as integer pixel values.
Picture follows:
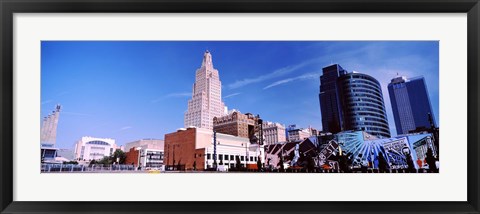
(125, 128)
(178, 94)
(73, 113)
(302, 77)
(274, 74)
(46, 101)
(231, 95)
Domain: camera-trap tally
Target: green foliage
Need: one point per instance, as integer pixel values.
(120, 155)
(105, 161)
(70, 162)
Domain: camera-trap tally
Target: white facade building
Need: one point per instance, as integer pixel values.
(230, 147)
(146, 144)
(151, 152)
(273, 133)
(91, 148)
(298, 134)
(206, 102)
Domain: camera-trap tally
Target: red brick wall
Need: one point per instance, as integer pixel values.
(132, 157)
(181, 146)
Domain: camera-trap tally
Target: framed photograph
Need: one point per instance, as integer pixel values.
(214, 106)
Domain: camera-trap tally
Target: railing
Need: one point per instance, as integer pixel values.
(84, 168)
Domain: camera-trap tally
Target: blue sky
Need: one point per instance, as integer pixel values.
(130, 90)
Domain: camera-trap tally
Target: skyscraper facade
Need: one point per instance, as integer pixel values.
(351, 101)
(206, 102)
(362, 104)
(410, 104)
(330, 105)
(48, 132)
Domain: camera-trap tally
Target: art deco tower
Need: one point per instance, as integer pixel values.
(48, 135)
(206, 102)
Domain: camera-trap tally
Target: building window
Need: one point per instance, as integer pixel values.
(251, 158)
(242, 158)
(209, 157)
(226, 157)
(220, 157)
(231, 157)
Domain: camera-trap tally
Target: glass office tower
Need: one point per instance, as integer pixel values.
(330, 105)
(352, 101)
(410, 104)
(363, 105)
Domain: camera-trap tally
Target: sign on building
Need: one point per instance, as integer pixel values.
(328, 151)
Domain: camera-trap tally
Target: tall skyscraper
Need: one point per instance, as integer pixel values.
(363, 105)
(330, 105)
(48, 132)
(410, 104)
(351, 101)
(206, 102)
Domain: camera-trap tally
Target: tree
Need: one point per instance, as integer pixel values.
(280, 163)
(179, 165)
(107, 160)
(120, 155)
(411, 165)
(259, 164)
(70, 162)
(310, 163)
(382, 163)
(238, 164)
(343, 163)
(91, 163)
(430, 159)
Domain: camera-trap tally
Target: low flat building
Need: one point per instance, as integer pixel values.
(193, 148)
(48, 153)
(92, 148)
(145, 153)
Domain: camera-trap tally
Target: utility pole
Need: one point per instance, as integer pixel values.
(215, 150)
(260, 143)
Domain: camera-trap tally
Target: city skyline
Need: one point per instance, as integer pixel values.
(119, 90)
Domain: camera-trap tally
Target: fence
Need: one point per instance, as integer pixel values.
(83, 168)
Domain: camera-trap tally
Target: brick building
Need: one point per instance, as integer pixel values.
(237, 124)
(132, 157)
(193, 148)
(145, 153)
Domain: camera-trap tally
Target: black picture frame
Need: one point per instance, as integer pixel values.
(9, 7)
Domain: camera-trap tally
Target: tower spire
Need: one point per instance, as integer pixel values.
(207, 59)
